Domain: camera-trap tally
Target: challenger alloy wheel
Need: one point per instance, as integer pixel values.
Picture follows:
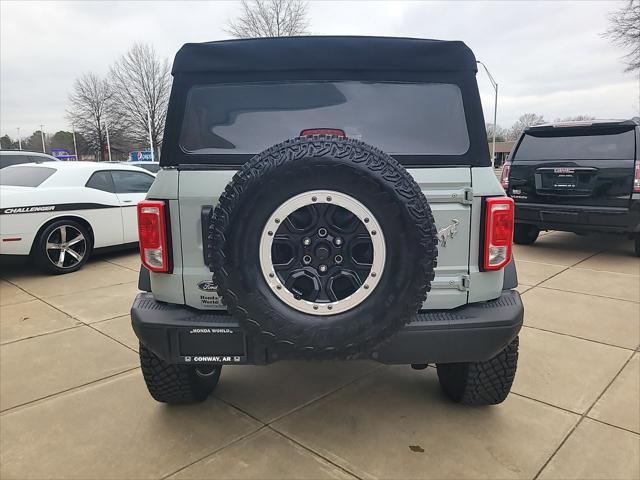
(66, 246)
(63, 246)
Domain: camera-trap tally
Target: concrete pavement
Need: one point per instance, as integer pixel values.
(74, 404)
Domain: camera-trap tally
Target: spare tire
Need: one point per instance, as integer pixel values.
(323, 246)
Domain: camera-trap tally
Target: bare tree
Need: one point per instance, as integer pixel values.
(270, 18)
(141, 83)
(624, 31)
(501, 133)
(89, 109)
(6, 143)
(524, 121)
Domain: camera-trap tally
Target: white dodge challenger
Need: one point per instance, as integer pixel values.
(59, 212)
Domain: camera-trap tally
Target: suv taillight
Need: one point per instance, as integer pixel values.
(636, 178)
(504, 176)
(152, 233)
(498, 232)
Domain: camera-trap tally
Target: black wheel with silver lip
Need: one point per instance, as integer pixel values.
(62, 247)
(322, 252)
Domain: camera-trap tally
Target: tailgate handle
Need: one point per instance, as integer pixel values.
(206, 219)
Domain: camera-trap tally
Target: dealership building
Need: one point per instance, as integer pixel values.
(503, 149)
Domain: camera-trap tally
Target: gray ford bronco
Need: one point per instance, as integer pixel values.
(326, 198)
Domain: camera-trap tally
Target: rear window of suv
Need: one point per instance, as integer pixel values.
(577, 144)
(399, 118)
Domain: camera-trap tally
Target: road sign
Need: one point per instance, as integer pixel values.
(62, 154)
(141, 156)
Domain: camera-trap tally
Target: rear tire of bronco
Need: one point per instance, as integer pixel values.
(525, 234)
(480, 383)
(176, 384)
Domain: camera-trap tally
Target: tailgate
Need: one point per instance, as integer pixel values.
(447, 189)
(568, 166)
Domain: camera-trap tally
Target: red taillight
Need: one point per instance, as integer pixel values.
(322, 131)
(498, 232)
(636, 178)
(152, 233)
(504, 176)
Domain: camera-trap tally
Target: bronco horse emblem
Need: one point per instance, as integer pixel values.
(448, 232)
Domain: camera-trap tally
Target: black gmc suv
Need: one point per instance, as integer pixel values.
(577, 177)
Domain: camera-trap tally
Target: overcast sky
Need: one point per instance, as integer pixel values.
(549, 57)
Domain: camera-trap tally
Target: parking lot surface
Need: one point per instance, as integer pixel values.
(74, 404)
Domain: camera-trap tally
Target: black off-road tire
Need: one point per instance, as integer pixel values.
(323, 162)
(525, 234)
(480, 383)
(39, 253)
(176, 384)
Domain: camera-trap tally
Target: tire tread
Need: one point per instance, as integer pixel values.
(169, 383)
(481, 383)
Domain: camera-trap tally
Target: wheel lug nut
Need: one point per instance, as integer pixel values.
(306, 259)
(322, 232)
(306, 241)
(322, 268)
(338, 259)
(338, 241)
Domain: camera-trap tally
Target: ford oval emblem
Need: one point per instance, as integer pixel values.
(208, 285)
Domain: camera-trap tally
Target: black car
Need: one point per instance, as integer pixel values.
(577, 177)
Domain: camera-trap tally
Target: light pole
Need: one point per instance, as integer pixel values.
(75, 145)
(19, 140)
(494, 84)
(106, 125)
(153, 154)
(44, 150)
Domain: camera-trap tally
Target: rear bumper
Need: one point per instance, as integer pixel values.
(475, 332)
(580, 218)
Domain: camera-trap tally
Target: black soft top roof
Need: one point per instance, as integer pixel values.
(324, 59)
(326, 53)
